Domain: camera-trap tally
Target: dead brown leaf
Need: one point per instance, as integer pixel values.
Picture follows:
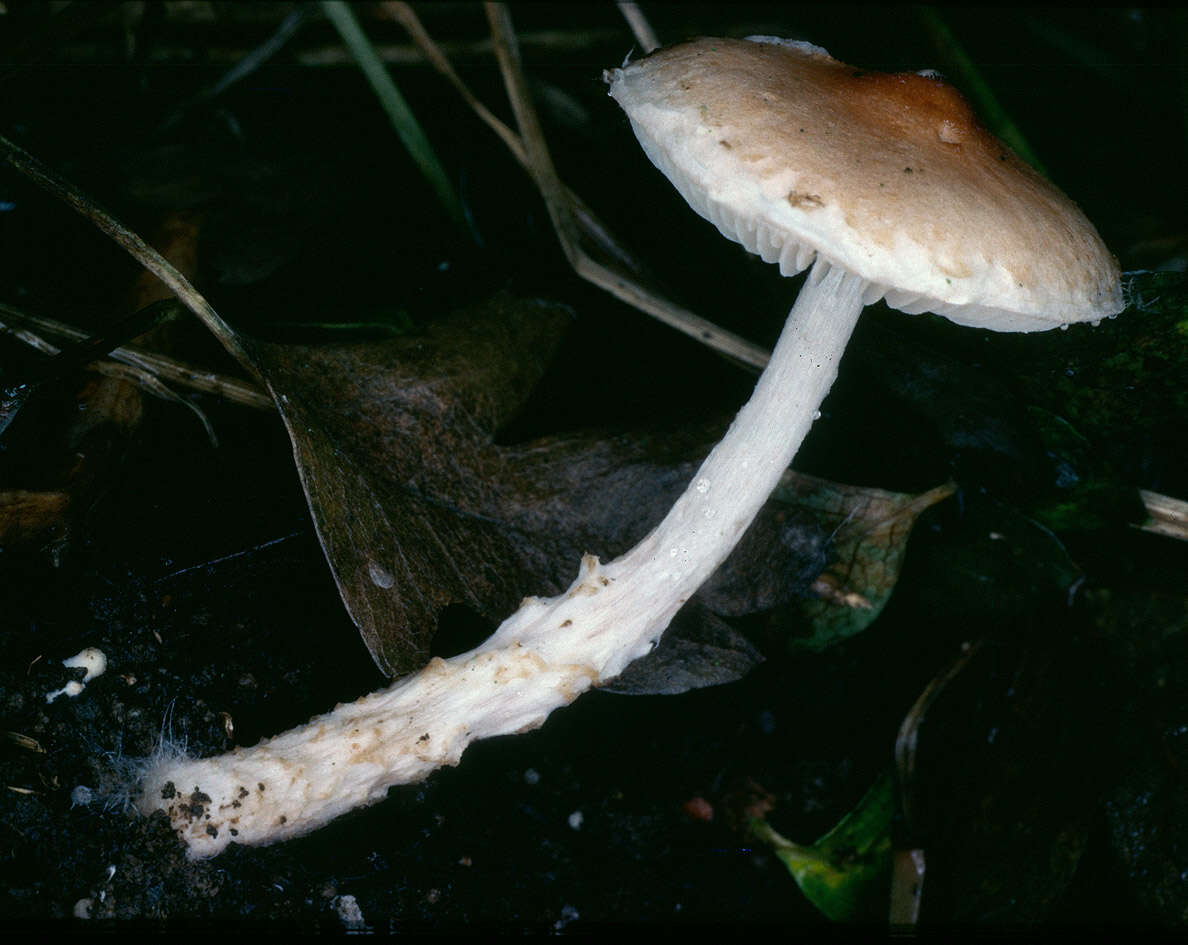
(418, 507)
(393, 444)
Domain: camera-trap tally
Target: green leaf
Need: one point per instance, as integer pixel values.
(845, 874)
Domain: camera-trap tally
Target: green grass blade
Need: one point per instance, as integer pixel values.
(402, 117)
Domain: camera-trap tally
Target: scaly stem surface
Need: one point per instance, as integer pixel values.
(545, 654)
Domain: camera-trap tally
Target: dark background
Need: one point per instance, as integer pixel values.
(196, 569)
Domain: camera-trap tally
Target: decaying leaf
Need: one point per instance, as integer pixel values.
(698, 649)
(869, 540)
(394, 445)
(418, 507)
(26, 516)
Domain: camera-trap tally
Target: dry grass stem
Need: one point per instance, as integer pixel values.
(640, 27)
(141, 251)
(907, 740)
(591, 227)
(23, 326)
(402, 54)
(124, 372)
(617, 283)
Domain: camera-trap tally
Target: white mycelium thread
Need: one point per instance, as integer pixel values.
(93, 660)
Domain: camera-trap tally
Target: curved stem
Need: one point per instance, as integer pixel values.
(738, 476)
(545, 654)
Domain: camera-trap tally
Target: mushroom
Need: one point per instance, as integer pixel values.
(889, 188)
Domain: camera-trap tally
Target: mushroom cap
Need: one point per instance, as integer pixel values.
(796, 155)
